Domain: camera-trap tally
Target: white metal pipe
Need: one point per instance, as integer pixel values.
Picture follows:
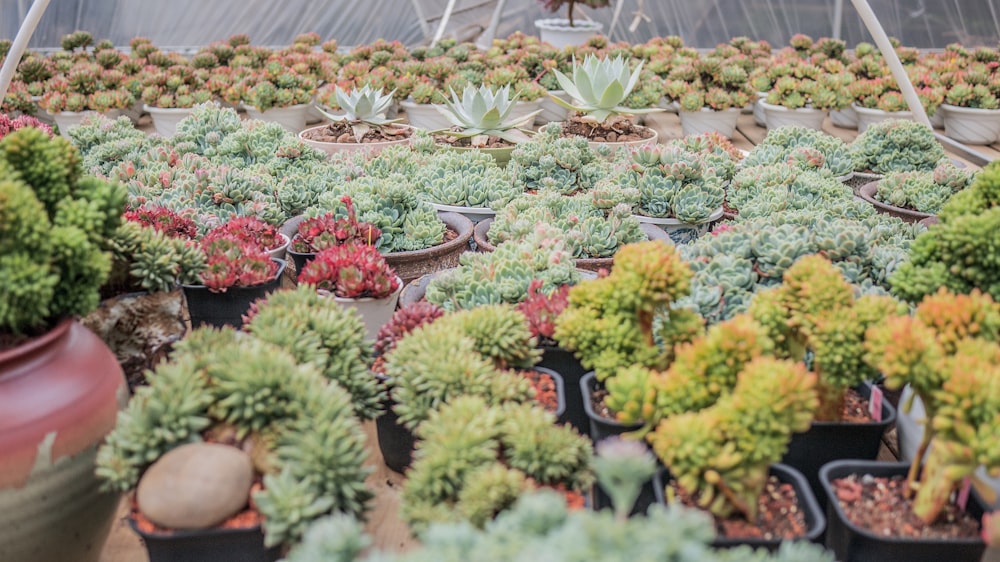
(892, 60)
(20, 44)
(444, 22)
(838, 18)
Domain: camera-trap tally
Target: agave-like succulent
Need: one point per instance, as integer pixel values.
(364, 108)
(481, 111)
(600, 87)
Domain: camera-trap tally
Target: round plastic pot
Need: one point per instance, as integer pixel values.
(868, 117)
(559, 33)
(292, 118)
(855, 544)
(681, 232)
(600, 426)
(778, 116)
(867, 192)
(207, 545)
(829, 441)
(566, 364)
(970, 125)
(815, 521)
(227, 308)
(710, 121)
(165, 119)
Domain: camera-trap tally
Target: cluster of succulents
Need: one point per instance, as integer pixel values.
(590, 229)
(542, 309)
(251, 230)
(947, 353)
(404, 320)
(306, 441)
(152, 257)
(551, 162)
(351, 271)
(674, 183)
(896, 146)
(320, 332)
(174, 87)
(466, 179)
(925, 192)
(734, 263)
(55, 223)
(8, 125)
(506, 274)
(629, 317)
(476, 458)
(761, 190)
(803, 148)
(959, 253)
(717, 81)
(322, 232)
(232, 262)
(717, 151)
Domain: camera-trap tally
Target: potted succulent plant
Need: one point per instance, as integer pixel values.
(710, 92)
(946, 352)
(169, 94)
(470, 183)
(363, 126)
(56, 377)
(85, 89)
(224, 403)
(356, 276)
(279, 94)
(255, 231)
(895, 146)
(679, 191)
(971, 107)
(321, 232)
(568, 534)
(805, 149)
(568, 31)
(914, 196)
(236, 273)
(602, 118)
(955, 252)
(482, 119)
(803, 98)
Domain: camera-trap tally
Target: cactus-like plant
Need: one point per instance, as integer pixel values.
(364, 110)
(466, 178)
(600, 87)
(54, 225)
(351, 271)
(721, 454)
(149, 259)
(476, 458)
(490, 339)
(948, 353)
(219, 379)
(481, 113)
(897, 146)
(506, 274)
(609, 322)
(958, 252)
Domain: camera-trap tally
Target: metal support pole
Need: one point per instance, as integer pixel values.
(838, 18)
(485, 40)
(20, 44)
(444, 22)
(892, 60)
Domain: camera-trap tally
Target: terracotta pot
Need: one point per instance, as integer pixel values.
(867, 192)
(59, 396)
(481, 237)
(413, 264)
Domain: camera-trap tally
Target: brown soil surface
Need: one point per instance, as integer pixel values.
(615, 129)
(778, 514)
(341, 132)
(877, 504)
(466, 142)
(855, 408)
(597, 403)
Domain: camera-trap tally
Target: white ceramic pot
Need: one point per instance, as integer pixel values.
(868, 117)
(279, 252)
(332, 148)
(709, 121)
(778, 116)
(551, 111)
(679, 231)
(292, 118)
(474, 214)
(937, 120)
(424, 116)
(758, 111)
(558, 33)
(668, 105)
(845, 118)
(374, 312)
(66, 119)
(165, 120)
(971, 126)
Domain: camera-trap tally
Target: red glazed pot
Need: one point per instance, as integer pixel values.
(59, 396)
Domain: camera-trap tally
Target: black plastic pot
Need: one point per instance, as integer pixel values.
(830, 441)
(855, 544)
(567, 365)
(557, 378)
(815, 521)
(207, 545)
(600, 426)
(227, 308)
(395, 441)
(647, 497)
(300, 259)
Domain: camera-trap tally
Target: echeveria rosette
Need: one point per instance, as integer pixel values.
(468, 179)
(481, 111)
(600, 87)
(364, 109)
(896, 146)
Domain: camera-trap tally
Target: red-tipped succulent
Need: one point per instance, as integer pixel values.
(163, 220)
(250, 230)
(351, 271)
(404, 321)
(541, 310)
(327, 231)
(235, 263)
